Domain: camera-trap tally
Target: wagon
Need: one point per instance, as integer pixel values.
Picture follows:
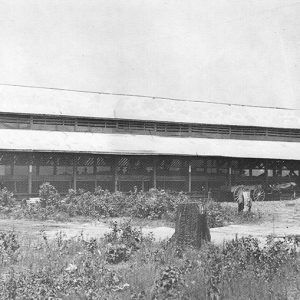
(258, 192)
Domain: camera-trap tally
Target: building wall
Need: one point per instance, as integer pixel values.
(23, 173)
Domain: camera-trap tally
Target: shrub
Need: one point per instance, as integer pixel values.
(48, 195)
(170, 283)
(6, 198)
(153, 204)
(9, 245)
(78, 269)
(123, 240)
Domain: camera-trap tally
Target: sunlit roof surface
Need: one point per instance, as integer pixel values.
(69, 103)
(102, 143)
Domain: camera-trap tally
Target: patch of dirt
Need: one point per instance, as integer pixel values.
(280, 218)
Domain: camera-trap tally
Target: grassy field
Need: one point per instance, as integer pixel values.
(81, 257)
(126, 265)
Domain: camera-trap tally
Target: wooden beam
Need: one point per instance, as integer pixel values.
(189, 176)
(12, 165)
(266, 171)
(30, 175)
(74, 173)
(230, 175)
(30, 179)
(95, 170)
(154, 172)
(115, 167)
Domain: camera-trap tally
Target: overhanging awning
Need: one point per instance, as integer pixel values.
(103, 143)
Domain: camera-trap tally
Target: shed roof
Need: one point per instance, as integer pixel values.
(102, 143)
(27, 100)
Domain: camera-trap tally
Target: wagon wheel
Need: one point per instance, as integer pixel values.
(259, 194)
(236, 192)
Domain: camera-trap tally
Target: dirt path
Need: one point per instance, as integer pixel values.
(281, 218)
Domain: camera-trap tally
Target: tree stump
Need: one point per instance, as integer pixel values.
(191, 226)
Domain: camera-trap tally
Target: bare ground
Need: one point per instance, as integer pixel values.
(279, 218)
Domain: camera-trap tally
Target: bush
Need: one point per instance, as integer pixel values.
(124, 240)
(49, 195)
(153, 204)
(9, 245)
(80, 269)
(6, 198)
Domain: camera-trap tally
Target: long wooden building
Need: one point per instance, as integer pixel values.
(82, 140)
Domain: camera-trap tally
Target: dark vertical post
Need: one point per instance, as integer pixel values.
(55, 161)
(154, 172)
(230, 175)
(30, 174)
(95, 170)
(266, 170)
(206, 174)
(37, 164)
(115, 166)
(74, 172)
(12, 169)
(11, 160)
(189, 176)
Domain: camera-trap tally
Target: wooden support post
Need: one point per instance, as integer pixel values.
(12, 166)
(95, 170)
(55, 163)
(115, 163)
(30, 163)
(266, 171)
(75, 173)
(30, 178)
(37, 165)
(190, 176)
(154, 173)
(13, 171)
(230, 175)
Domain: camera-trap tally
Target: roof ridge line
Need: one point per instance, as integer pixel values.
(149, 97)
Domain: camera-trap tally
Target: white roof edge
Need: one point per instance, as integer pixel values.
(93, 105)
(103, 143)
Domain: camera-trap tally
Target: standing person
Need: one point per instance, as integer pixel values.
(247, 200)
(240, 201)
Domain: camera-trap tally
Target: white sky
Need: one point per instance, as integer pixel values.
(239, 51)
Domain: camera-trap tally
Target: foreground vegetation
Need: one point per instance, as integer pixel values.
(151, 205)
(126, 265)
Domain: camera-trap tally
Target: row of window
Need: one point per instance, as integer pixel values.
(86, 124)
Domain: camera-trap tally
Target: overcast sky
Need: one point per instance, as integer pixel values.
(239, 51)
